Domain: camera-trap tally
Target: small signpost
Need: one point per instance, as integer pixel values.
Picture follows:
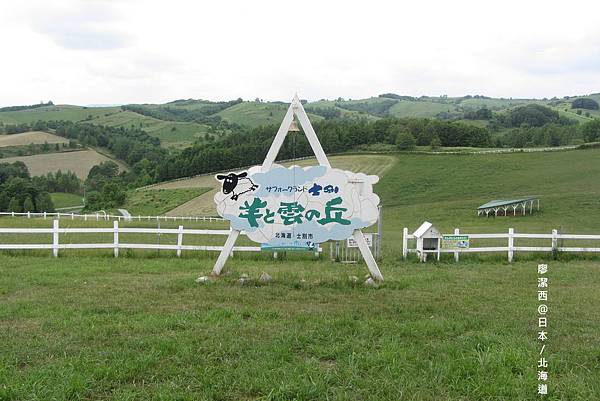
(455, 241)
(350, 243)
(297, 208)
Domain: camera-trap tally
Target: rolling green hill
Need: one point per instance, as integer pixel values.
(254, 114)
(170, 133)
(59, 112)
(181, 122)
(447, 189)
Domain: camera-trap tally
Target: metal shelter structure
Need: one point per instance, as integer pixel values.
(504, 205)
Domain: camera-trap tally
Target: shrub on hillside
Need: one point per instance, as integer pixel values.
(405, 141)
(585, 103)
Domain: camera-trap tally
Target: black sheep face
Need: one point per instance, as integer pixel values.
(230, 181)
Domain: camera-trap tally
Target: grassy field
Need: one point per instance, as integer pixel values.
(154, 202)
(79, 162)
(140, 329)
(65, 200)
(57, 112)
(254, 114)
(183, 135)
(35, 137)
(204, 204)
(447, 189)
(88, 326)
(405, 108)
(170, 133)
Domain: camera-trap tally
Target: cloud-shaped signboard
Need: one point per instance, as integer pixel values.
(297, 207)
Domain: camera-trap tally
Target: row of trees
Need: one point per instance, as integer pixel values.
(105, 187)
(19, 193)
(551, 134)
(132, 145)
(249, 147)
(32, 106)
(200, 112)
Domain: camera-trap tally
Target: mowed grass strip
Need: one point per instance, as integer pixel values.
(99, 328)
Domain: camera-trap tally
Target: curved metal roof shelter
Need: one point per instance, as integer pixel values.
(503, 205)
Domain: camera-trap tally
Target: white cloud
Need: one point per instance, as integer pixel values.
(85, 51)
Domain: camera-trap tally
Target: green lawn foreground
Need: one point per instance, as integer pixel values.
(98, 328)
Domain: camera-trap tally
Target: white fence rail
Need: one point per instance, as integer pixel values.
(117, 244)
(510, 247)
(103, 216)
(56, 230)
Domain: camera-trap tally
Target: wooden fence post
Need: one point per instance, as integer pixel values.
(55, 238)
(456, 254)
(116, 238)
(179, 241)
(44, 215)
(554, 242)
(404, 243)
(511, 243)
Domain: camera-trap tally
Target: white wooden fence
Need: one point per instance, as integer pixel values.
(510, 247)
(55, 246)
(103, 216)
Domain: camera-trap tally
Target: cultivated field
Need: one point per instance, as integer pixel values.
(78, 162)
(35, 137)
(204, 204)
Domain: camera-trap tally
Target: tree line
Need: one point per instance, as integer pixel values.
(250, 147)
(202, 112)
(20, 193)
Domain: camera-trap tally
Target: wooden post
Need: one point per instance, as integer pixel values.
(379, 233)
(511, 243)
(116, 238)
(456, 254)
(404, 243)
(554, 242)
(367, 255)
(179, 241)
(44, 215)
(227, 248)
(72, 216)
(55, 238)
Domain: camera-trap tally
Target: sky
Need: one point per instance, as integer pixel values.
(134, 51)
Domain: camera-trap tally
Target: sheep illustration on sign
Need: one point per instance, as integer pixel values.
(233, 181)
(297, 207)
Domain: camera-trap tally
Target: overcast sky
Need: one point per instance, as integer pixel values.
(136, 51)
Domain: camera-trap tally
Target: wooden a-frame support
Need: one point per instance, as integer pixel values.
(297, 110)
